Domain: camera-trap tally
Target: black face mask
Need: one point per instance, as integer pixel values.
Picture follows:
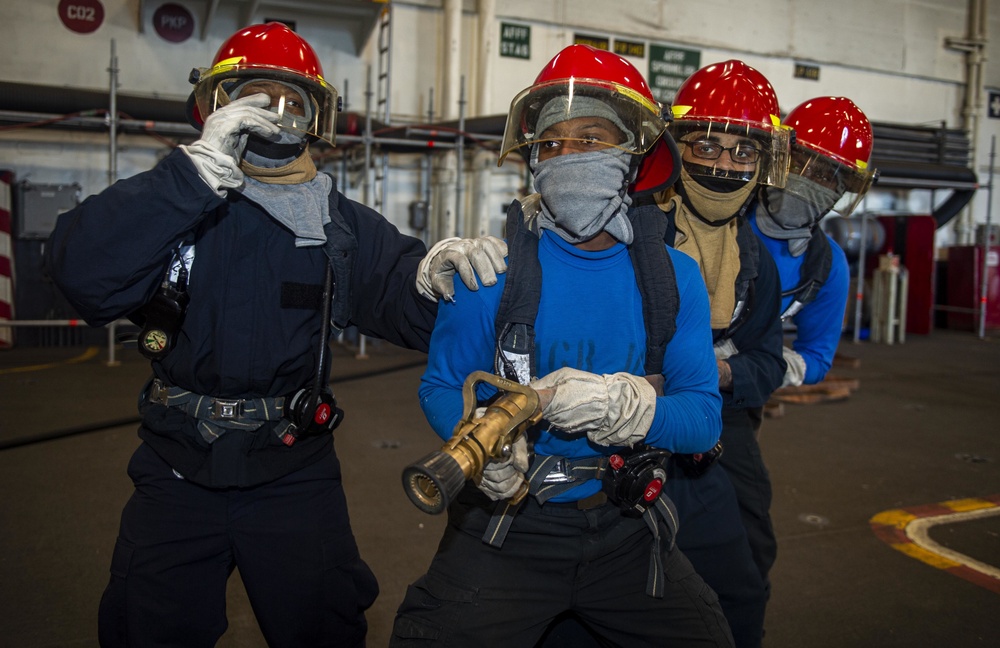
(716, 180)
(275, 150)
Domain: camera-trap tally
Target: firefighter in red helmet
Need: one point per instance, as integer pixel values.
(610, 327)
(732, 142)
(226, 254)
(828, 173)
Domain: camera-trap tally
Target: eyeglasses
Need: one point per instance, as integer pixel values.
(709, 150)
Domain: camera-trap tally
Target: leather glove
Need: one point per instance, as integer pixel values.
(216, 155)
(482, 256)
(796, 371)
(613, 409)
(502, 478)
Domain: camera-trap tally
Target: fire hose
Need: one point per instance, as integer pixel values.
(435, 480)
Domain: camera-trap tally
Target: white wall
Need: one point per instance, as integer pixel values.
(889, 56)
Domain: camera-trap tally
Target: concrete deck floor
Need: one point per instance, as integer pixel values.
(922, 428)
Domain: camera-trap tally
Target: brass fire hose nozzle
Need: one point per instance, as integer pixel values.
(434, 481)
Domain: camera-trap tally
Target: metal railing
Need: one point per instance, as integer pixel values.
(72, 323)
(360, 349)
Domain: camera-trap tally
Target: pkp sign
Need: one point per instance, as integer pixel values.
(81, 16)
(173, 23)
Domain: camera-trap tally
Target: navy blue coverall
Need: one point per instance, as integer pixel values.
(252, 329)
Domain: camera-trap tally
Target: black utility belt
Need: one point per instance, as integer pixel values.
(302, 413)
(216, 409)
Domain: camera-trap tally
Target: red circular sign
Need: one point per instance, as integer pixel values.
(81, 16)
(173, 23)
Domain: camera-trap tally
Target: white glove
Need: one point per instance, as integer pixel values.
(796, 371)
(483, 256)
(613, 409)
(724, 349)
(217, 154)
(503, 478)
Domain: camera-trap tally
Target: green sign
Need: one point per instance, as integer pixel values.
(669, 67)
(515, 41)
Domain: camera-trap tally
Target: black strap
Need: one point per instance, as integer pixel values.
(657, 281)
(655, 277)
(576, 470)
(813, 274)
(340, 247)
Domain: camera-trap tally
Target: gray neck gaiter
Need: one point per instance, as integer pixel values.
(303, 208)
(584, 194)
(790, 214)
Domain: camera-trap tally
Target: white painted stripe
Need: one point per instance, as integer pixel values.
(918, 531)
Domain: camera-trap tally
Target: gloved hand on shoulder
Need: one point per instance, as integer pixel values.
(796, 371)
(613, 409)
(468, 257)
(216, 155)
(502, 478)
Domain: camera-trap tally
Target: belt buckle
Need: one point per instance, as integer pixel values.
(226, 409)
(158, 392)
(558, 474)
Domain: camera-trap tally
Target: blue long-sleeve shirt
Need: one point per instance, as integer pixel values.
(819, 324)
(589, 318)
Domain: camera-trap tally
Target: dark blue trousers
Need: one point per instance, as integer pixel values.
(712, 537)
(744, 464)
(594, 563)
(179, 542)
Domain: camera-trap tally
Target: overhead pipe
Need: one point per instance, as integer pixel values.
(83, 121)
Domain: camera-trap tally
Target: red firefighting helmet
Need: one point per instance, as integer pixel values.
(733, 98)
(597, 83)
(833, 145)
(271, 52)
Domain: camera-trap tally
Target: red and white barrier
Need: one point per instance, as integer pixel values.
(6, 261)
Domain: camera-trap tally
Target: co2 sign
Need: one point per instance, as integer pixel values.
(81, 16)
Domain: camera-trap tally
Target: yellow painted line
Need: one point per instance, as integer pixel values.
(919, 532)
(83, 357)
(896, 518)
(908, 531)
(971, 504)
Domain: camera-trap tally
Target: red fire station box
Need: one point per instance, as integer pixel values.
(965, 267)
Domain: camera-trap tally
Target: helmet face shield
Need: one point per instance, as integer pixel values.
(312, 111)
(824, 169)
(734, 150)
(637, 122)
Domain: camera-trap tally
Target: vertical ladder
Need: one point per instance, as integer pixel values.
(382, 106)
